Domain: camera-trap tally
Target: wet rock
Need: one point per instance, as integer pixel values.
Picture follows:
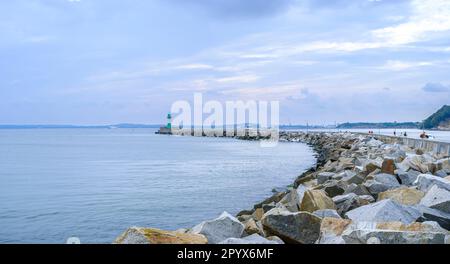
(219, 229)
(381, 182)
(140, 235)
(244, 218)
(267, 207)
(299, 227)
(274, 198)
(245, 212)
(327, 213)
(384, 211)
(252, 239)
(437, 198)
(425, 181)
(402, 195)
(314, 200)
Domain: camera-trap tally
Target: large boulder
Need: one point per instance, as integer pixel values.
(299, 227)
(437, 198)
(402, 195)
(425, 181)
(219, 229)
(314, 200)
(415, 162)
(393, 233)
(252, 239)
(409, 177)
(384, 211)
(430, 214)
(381, 182)
(141, 235)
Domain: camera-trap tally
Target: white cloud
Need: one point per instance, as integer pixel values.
(239, 79)
(194, 66)
(404, 65)
(428, 16)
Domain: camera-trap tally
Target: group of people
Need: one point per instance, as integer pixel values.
(404, 133)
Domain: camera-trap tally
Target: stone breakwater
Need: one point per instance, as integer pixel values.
(362, 191)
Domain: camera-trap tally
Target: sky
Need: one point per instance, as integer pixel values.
(111, 61)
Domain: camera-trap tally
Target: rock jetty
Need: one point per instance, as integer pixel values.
(362, 191)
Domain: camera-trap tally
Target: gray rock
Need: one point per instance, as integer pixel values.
(425, 181)
(290, 201)
(301, 189)
(327, 213)
(252, 239)
(219, 229)
(441, 173)
(381, 182)
(357, 189)
(364, 236)
(345, 203)
(384, 211)
(333, 188)
(352, 177)
(299, 227)
(430, 214)
(437, 198)
(408, 178)
(267, 207)
(324, 176)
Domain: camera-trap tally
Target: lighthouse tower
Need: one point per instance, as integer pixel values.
(166, 130)
(169, 121)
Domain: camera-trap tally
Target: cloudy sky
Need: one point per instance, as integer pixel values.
(111, 61)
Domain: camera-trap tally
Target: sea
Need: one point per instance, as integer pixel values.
(93, 184)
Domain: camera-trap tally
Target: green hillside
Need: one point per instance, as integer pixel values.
(438, 120)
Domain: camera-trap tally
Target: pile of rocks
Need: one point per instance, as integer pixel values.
(362, 191)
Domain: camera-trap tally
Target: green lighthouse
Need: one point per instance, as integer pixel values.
(169, 121)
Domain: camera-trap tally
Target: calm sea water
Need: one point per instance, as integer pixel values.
(94, 183)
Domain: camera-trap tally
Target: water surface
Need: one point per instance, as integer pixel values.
(94, 183)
